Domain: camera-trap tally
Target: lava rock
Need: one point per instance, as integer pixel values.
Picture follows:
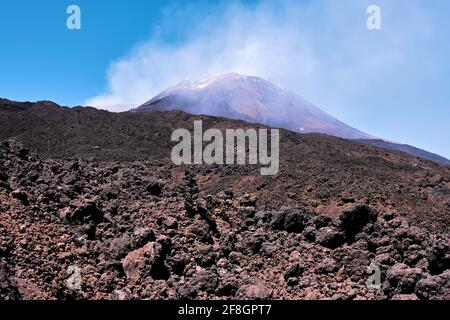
(21, 196)
(235, 257)
(206, 256)
(388, 216)
(402, 279)
(139, 263)
(5, 185)
(291, 220)
(268, 249)
(310, 233)
(178, 263)
(119, 247)
(171, 223)
(255, 290)
(321, 221)
(86, 212)
(293, 271)
(186, 291)
(201, 230)
(8, 288)
(142, 236)
(206, 281)
(328, 265)
(3, 176)
(23, 153)
(155, 187)
(439, 258)
(228, 289)
(354, 220)
(248, 200)
(120, 295)
(329, 237)
(355, 261)
(434, 287)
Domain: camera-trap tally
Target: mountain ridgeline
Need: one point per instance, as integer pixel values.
(251, 99)
(256, 100)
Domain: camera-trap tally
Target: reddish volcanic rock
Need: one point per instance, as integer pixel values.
(139, 263)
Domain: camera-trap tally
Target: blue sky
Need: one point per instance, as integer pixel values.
(393, 83)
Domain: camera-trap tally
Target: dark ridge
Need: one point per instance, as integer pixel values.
(416, 152)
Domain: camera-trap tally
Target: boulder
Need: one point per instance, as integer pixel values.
(321, 221)
(139, 263)
(22, 196)
(354, 220)
(86, 211)
(206, 281)
(310, 233)
(328, 265)
(329, 237)
(434, 287)
(268, 249)
(178, 263)
(439, 257)
(201, 230)
(255, 290)
(293, 271)
(119, 247)
(403, 279)
(142, 236)
(291, 220)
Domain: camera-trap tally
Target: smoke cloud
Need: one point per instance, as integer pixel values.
(320, 49)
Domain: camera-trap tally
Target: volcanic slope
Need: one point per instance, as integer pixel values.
(321, 172)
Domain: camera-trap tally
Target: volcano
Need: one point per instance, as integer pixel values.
(251, 99)
(256, 100)
(93, 193)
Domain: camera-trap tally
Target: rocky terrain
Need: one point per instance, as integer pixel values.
(323, 173)
(91, 208)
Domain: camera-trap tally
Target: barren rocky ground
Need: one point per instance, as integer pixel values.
(88, 191)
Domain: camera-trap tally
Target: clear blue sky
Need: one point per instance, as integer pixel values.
(41, 59)
(393, 83)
